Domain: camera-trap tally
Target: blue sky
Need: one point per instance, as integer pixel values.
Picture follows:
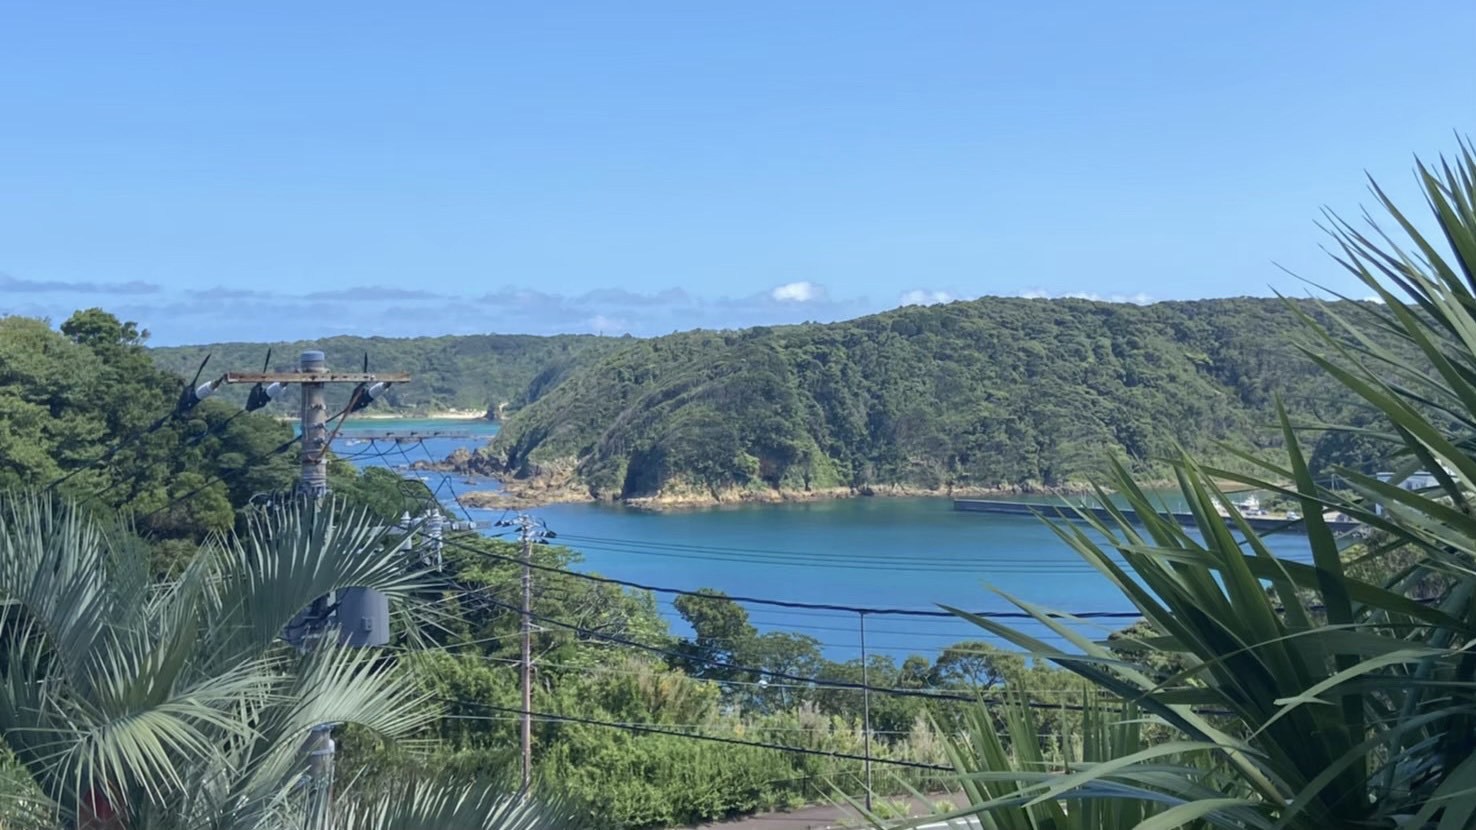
(271, 169)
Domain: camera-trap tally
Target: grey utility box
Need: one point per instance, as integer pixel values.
(363, 617)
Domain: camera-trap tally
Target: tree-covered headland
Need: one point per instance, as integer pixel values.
(987, 394)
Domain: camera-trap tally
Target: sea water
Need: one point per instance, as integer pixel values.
(877, 552)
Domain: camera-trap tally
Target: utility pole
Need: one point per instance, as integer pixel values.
(866, 706)
(313, 483)
(363, 614)
(525, 526)
(530, 532)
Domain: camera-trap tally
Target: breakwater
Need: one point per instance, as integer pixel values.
(1071, 512)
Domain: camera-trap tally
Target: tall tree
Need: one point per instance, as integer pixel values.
(722, 634)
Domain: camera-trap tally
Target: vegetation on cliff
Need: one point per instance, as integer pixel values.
(80, 395)
(997, 392)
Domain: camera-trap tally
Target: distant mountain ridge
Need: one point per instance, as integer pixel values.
(997, 392)
(451, 372)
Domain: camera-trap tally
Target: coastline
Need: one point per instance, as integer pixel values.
(524, 496)
(557, 482)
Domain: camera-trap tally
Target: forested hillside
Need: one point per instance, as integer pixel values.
(993, 392)
(468, 372)
(85, 410)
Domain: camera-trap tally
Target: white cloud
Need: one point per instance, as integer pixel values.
(923, 296)
(803, 291)
(600, 324)
(215, 314)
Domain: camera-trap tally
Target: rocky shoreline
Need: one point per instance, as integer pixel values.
(558, 483)
(524, 494)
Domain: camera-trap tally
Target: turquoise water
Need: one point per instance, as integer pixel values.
(476, 426)
(913, 553)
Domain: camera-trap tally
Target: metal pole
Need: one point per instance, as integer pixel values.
(313, 485)
(320, 748)
(362, 614)
(527, 528)
(434, 527)
(314, 481)
(866, 705)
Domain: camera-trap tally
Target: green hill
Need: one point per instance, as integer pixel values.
(993, 392)
(467, 372)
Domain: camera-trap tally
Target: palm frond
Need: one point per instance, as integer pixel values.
(1335, 701)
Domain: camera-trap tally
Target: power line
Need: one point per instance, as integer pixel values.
(724, 549)
(720, 552)
(799, 628)
(831, 607)
(777, 603)
(853, 562)
(723, 664)
(602, 670)
(744, 726)
(223, 476)
(655, 730)
(865, 562)
(819, 683)
(445, 479)
(956, 636)
(839, 561)
(220, 477)
(121, 445)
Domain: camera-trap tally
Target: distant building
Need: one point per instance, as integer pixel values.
(1418, 480)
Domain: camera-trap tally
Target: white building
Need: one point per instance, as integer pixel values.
(1415, 481)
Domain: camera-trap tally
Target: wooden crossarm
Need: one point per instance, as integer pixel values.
(318, 377)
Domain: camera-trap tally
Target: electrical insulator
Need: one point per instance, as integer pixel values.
(192, 397)
(367, 394)
(262, 395)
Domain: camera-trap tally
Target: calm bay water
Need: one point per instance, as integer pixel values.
(914, 553)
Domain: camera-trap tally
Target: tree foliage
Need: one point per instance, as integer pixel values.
(129, 703)
(468, 372)
(992, 392)
(1307, 695)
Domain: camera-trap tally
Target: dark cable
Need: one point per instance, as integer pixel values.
(220, 477)
(723, 664)
(779, 603)
(843, 756)
(445, 478)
